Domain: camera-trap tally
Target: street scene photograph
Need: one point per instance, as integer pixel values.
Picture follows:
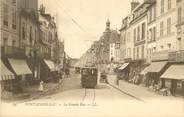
(92, 58)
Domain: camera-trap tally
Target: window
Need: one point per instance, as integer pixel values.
(142, 49)
(169, 4)
(23, 32)
(154, 12)
(14, 17)
(154, 49)
(130, 52)
(162, 47)
(30, 35)
(13, 1)
(128, 37)
(162, 6)
(150, 15)
(5, 14)
(35, 36)
(134, 52)
(154, 33)
(135, 35)
(138, 33)
(161, 28)
(13, 43)
(143, 31)
(180, 44)
(150, 34)
(179, 15)
(168, 25)
(138, 52)
(5, 41)
(169, 46)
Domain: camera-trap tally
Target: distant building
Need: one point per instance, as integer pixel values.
(114, 46)
(47, 39)
(105, 42)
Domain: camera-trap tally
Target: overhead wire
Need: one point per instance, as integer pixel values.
(73, 19)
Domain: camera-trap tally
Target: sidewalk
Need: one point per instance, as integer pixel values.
(136, 90)
(32, 92)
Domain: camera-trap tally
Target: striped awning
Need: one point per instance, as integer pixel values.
(174, 72)
(6, 74)
(50, 64)
(20, 66)
(123, 66)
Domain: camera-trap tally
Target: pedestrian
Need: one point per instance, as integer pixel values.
(41, 86)
(117, 80)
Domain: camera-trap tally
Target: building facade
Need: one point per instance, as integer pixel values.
(114, 46)
(165, 29)
(123, 39)
(151, 31)
(28, 42)
(138, 32)
(9, 24)
(180, 24)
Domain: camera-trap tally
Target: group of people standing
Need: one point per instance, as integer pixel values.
(59, 76)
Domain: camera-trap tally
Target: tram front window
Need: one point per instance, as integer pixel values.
(85, 72)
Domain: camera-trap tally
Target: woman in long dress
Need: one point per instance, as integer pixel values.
(41, 86)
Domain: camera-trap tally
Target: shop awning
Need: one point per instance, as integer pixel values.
(155, 67)
(50, 65)
(6, 74)
(123, 66)
(20, 66)
(174, 72)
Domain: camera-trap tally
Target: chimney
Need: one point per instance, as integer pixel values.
(134, 4)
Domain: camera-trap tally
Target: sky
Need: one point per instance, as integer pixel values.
(80, 22)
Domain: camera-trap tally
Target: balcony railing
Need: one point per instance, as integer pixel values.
(177, 56)
(11, 51)
(160, 56)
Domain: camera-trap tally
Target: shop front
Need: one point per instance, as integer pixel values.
(6, 80)
(153, 72)
(123, 71)
(174, 76)
(22, 74)
(143, 75)
(48, 71)
(136, 66)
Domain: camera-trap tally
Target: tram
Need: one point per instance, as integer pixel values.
(89, 77)
(77, 70)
